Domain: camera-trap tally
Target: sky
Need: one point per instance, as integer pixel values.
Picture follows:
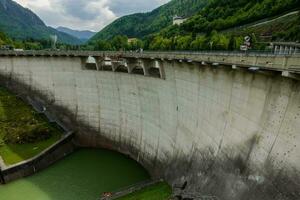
(86, 14)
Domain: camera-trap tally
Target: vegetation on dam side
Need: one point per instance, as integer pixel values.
(23, 132)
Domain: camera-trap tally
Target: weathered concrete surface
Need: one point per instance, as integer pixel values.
(270, 61)
(229, 133)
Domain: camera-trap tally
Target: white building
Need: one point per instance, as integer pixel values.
(178, 20)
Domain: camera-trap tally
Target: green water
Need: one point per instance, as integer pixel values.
(84, 175)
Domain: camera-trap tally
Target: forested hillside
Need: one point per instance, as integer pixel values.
(142, 24)
(223, 24)
(4, 40)
(223, 14)
(215, 25)
(21, 23)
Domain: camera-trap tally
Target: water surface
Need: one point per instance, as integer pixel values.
(84, 175)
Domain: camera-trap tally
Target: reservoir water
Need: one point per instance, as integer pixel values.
(84, 175)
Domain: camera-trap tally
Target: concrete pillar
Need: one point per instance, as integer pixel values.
(291, 50)
(286, 50)
(162, 72)
(153, 65)
(275, 49)
(281, 49)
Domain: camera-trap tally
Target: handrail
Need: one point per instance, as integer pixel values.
(156, 53)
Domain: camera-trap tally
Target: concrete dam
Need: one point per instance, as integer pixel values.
(214, 125)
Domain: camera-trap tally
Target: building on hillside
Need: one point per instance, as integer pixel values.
(178, 20)
(285, 47)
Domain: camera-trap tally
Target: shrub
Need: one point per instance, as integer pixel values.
(27, 134)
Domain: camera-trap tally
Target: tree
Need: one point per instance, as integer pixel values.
(136, 44)
(218, 41)
(183, 42)
(119, 42)
(102, 45)
(200, 43)
(160, 43)
(235, 42)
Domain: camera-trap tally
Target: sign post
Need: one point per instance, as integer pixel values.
(247, 44)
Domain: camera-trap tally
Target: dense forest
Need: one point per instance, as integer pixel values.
(224, 14)
(142, 24)
(219, 25)
(6, 43)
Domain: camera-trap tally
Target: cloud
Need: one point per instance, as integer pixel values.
(86, 14)
(124, 7)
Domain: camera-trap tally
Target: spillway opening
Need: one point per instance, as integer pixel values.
(91, 66)
(122, 69)
(138, 70)
(154, 72)
(107, 68)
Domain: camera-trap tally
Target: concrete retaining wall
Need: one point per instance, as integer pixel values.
(229, 133)
(52, 154)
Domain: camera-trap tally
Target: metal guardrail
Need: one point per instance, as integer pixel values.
(140, 54)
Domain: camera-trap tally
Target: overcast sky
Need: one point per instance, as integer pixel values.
(86, 14)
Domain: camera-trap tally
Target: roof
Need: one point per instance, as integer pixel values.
(177, 18)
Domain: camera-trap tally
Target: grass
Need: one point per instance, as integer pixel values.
(15, 117)
(160, 191)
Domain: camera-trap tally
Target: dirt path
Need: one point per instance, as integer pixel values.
(271, 20)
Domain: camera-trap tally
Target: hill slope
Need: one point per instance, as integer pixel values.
(222, 25)
(82, 35)
(21, 23)
(220, 15)
(142, 24)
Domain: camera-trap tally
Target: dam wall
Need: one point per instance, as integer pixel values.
(232, 134)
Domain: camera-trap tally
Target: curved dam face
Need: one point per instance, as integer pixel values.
(226, 134)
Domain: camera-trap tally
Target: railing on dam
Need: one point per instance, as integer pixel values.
(255, 60)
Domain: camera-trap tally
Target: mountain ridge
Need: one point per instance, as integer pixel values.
(83, 35)
(21, 23)
(142, 24)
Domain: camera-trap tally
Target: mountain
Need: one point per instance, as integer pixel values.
(221, 15)
(223, 24)
(82, 35)
(21, 23)
(210, 25)
(142, 24)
